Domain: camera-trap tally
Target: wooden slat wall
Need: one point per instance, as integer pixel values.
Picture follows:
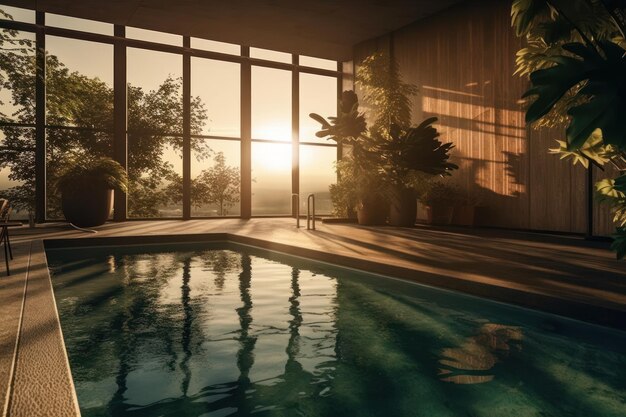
(462, 61)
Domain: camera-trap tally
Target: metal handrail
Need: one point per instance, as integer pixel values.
(297, 208)
(308, 211)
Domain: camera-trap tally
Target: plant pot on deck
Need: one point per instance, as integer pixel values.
(440, 215)
(372, 211)
(87, 207)
(403, 208)
(464, 216)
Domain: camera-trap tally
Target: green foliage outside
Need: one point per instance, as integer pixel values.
(575, 58)
(218, 185)
(73, 99)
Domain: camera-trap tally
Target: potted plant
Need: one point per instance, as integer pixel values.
(465, 210)
(359, 185)
(86, 188)
(440, 200)
(406, 153)
(385, 157)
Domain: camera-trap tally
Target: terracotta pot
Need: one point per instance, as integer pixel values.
(464, 216)
(403, 208)
(440, 214)
(87, 208)
(372, 211)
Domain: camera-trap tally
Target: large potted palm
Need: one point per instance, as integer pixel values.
(406, 153)
(86, 188)
(360, 182)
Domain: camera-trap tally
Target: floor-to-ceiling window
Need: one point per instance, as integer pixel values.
(155, 133)
(210, 131)
(318, 94)
(216, 143)
(17, 113)
(79, 108)
(271, 141)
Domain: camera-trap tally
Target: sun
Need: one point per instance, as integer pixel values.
(271, 156)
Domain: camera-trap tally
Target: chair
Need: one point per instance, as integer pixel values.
(5, 213)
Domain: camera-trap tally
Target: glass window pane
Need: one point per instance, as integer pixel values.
(271, 55)
(154, 36)
(155, 168)
(79, 83)
(271, 179)
(17, 14)
(155, 92)
(17, 169)
(215, 87)
(271, 104)
(318, 94)
(317, 173)
(309, 61)
(17, 96)
(215, 46)
(215, 179)
(67, 22)
(65, 146)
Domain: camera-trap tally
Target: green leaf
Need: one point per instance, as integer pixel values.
(619, 243)
(607, 191)
(525, 12)
(603, 92)
(620, 184)
(551, 84)
(320, 120)
(593, 150)
(348, 126)
(417, 149)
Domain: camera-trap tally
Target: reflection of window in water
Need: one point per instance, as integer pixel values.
(471, 362)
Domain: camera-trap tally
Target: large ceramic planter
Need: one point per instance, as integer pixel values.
(464, 216)
(440, 215)
(403, 208)
(372, 211)
(87, 208)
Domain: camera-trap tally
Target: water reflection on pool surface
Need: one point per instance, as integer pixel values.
(222, 329)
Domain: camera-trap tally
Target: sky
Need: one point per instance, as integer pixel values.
(217, 83)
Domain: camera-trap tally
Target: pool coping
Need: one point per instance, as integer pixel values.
(41, 383)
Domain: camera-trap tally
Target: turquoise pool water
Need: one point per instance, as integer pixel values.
(220, 329)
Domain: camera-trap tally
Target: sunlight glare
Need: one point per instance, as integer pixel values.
(272, 157)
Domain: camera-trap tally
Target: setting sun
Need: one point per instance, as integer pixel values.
(275, 157)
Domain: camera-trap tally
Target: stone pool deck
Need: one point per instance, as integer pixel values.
(558, 274)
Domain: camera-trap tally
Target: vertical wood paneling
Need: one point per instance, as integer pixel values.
(462, 61)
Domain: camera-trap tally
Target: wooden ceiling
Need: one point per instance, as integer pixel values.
(322, 28)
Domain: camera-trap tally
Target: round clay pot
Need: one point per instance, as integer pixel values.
(372, 211)
(403, 208)
(440, 214)
(87, 208)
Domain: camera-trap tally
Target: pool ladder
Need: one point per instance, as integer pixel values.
(310, 217)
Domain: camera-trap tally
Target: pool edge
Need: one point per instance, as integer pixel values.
(42, 383)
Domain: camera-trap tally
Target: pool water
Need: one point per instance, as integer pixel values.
(221, 329)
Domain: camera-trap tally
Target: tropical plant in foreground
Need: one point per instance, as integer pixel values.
(576, 61)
